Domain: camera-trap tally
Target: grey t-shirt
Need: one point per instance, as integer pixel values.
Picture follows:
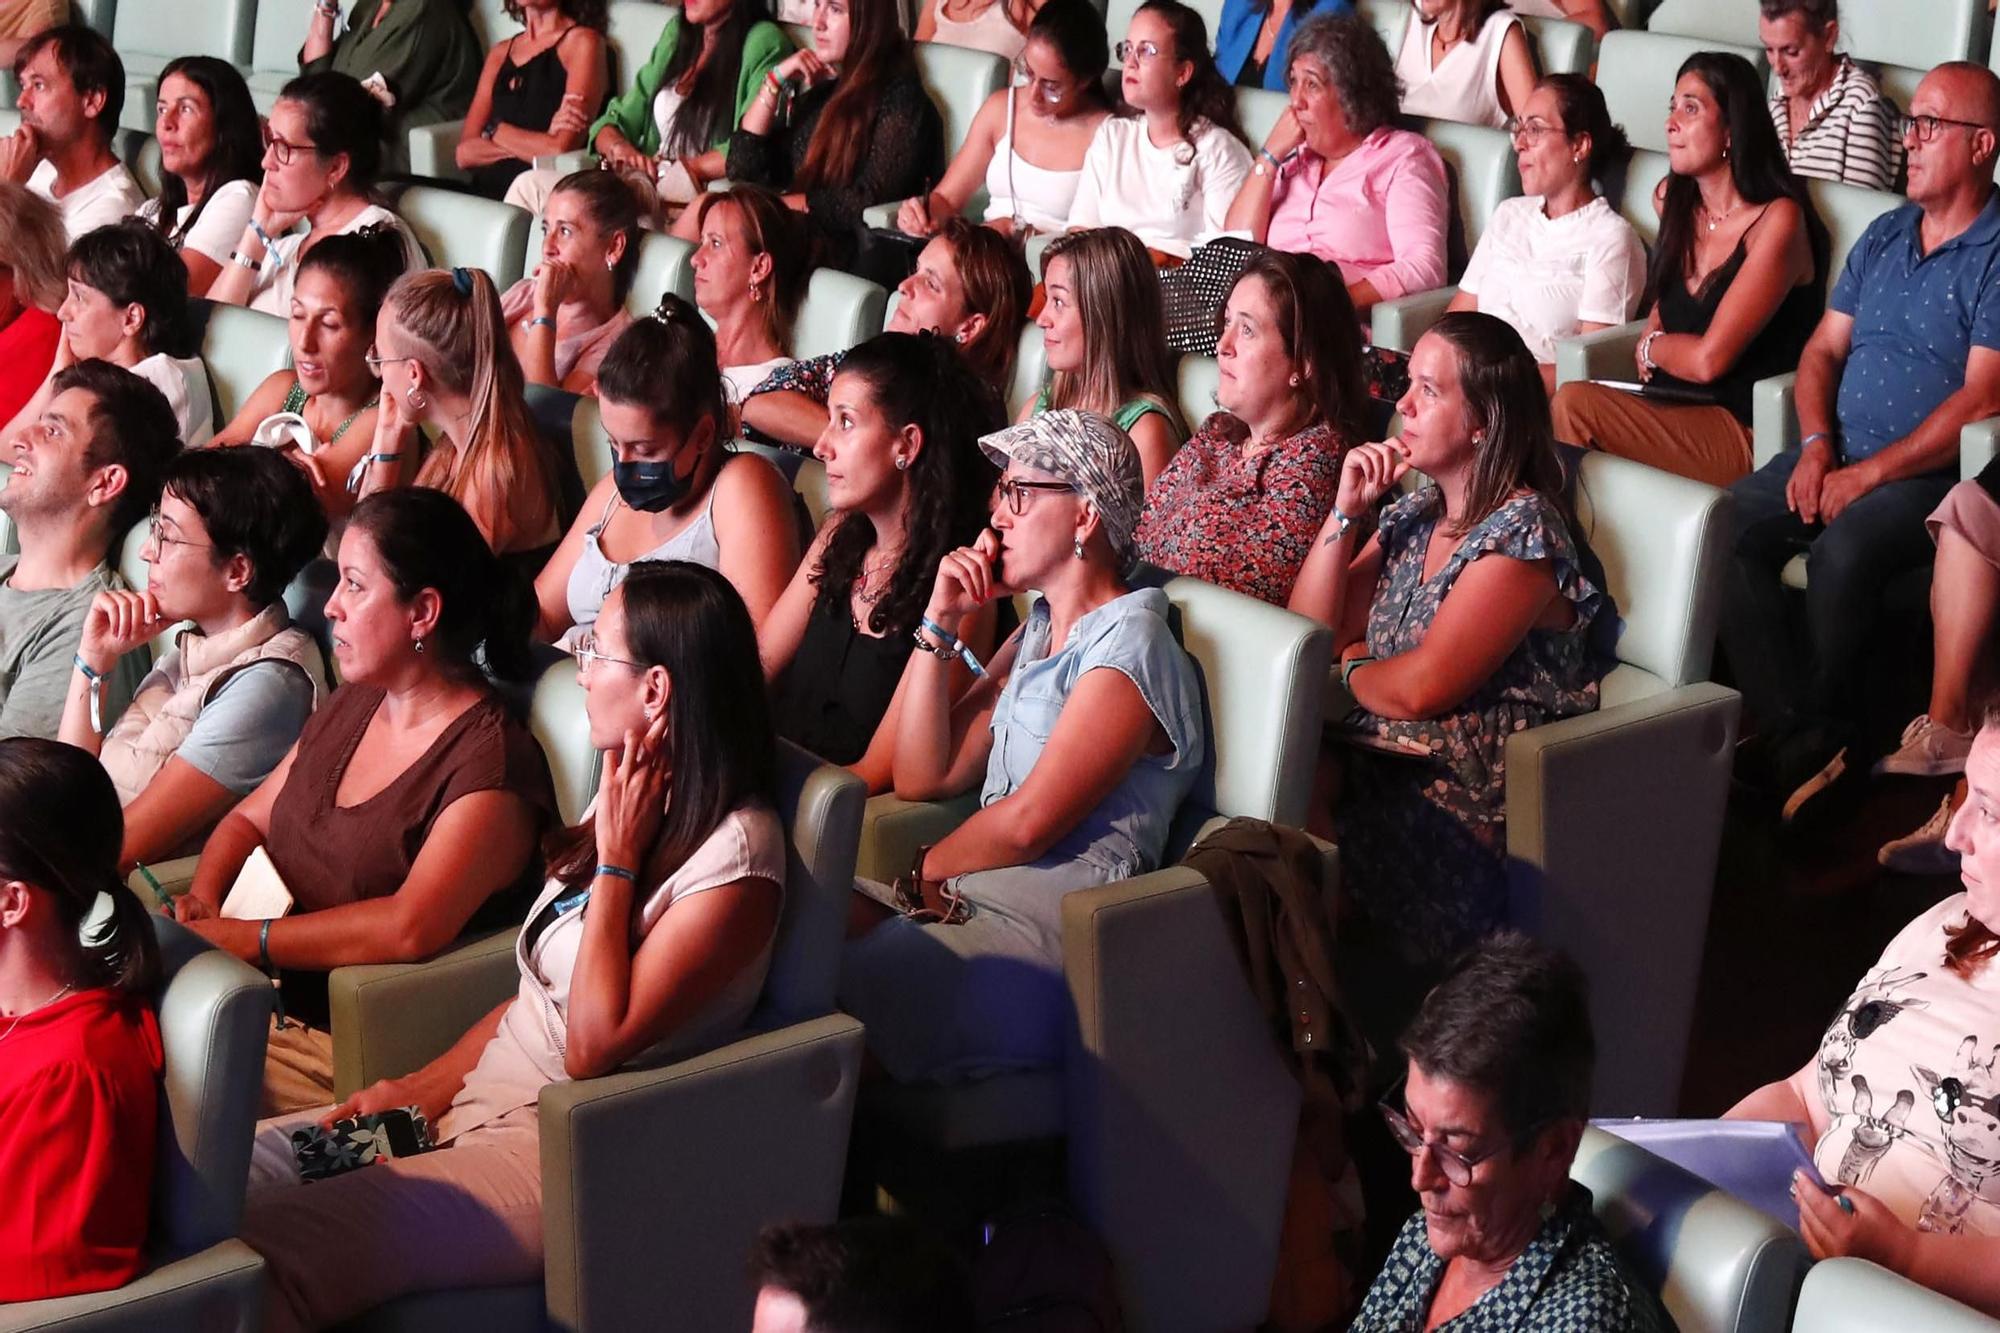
(39, 634)
(248, 724)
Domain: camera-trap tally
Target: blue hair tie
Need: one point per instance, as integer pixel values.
(461, 278)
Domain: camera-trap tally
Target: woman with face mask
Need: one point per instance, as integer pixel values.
(675, 492)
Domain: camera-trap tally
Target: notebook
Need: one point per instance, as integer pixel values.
(258, 893)
(1751, 1159)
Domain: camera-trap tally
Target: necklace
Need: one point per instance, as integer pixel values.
(867, 595)
(1717, 219)
(37, 1009)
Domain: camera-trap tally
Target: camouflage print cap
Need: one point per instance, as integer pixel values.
(1089, 452)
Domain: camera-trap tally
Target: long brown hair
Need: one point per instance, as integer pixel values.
(877, 53)
(1503, 391)
(1322, 338)
(1117, 294)
(996, 285)
(1206, 95)
(771, 228)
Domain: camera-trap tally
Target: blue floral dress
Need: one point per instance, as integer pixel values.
(1422, 818)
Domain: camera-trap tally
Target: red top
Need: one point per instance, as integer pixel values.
(27, 350)
(79, 1113)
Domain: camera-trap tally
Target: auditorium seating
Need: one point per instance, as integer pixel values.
(465, 230)
(1484, 173)
(149, 33)
(1636, 72)
(241, 348)
(1855, 1296)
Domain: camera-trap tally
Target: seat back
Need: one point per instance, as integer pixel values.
(467, 231)
(1636, 71)
(221, 28)
(491, 22)
(1631, 188)
(275, 40)
(1563, 47)
(241, 348)
(593, 450)
(215, 1012)
(1847, 211)
(1200, 376)
(1031, 370)
(632, 31)
(1853, 1296)
(1483, 169)
(140, 152)
(959, 79)
(663, 267)
(1118, 17)
(839, 311)
(305, 603)
(1716, 1263)
(557, 719)
(1259, 109)
(1389, 18)
(1711, 20)
(820, 806)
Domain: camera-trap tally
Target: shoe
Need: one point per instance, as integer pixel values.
(1929, 750)
(1923, 852)
(1835, 769)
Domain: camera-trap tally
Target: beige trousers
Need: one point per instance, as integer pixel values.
(1703, 442)
(298, 1068)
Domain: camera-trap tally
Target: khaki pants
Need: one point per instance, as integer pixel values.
(298, 1068)
(1703, 442)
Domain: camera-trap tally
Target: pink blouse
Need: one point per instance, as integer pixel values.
(1379, 213)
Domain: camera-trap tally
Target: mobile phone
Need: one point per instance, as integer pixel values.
(358, 1141)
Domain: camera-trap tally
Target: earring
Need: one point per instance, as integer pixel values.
(1077, 546)
(1576, 157)
(1725, 152)
(958, 337)
(755, 293)
(420, 644)
(902, 463)
(415, 398)
(1479, 437)
(1295, 381)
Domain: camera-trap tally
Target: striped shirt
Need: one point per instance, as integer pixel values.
(1853, 134)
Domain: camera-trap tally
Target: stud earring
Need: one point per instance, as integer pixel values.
(958, 337)
(420, 644)
(1077, 546)
(902, 463)
(1295, 381)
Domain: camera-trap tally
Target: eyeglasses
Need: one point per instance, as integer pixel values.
(587, 655)
(1048, 90)
(1015, 493)
(1127, 52)
(163, 541)
(376, 360)
(1926, 127)
(1456, 1166)
(281, 150)
(1534, 131)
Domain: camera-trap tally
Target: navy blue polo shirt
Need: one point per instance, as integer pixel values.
(1917, 318)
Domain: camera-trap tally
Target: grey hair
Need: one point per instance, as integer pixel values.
(1816, 13)
(1362, 71)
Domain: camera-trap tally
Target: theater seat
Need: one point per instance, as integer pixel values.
(1199, 378)
(275, 41)
(241, 348)
(1484, 174)
(149, 33)
(1717, 1264)
(656, 1181)
(1031, 370)
(464, 229)
(214, 1012)
(1855, 1296)
(839, 311)
(1259, 109)
(1635, 71)
(959, 79)
(663, 267)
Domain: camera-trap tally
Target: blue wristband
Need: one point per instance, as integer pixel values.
(616, 872)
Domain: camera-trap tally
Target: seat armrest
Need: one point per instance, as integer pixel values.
(880, 215)
(392, 1018)
(175, 877)
(434, 151)
(1774, 418)
(707, 1151)
(1978, 443)
(892, 829)
(577, 159)
(1398, 323)
(218, 1290)
(1604, 355)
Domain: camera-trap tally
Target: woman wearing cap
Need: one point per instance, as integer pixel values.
(1085, 732)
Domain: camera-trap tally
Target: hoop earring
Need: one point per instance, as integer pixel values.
(416, 400)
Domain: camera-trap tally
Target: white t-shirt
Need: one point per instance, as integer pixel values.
(112, 197)
(220, 225)
(184, 381)
(1465, 85)
(1547, 275)
(273, 292)
(1167, 197)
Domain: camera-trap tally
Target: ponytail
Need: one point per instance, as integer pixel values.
(125, 953)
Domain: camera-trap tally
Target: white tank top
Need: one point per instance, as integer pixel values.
(1465, 85)
(988, 30)
(1017, 188)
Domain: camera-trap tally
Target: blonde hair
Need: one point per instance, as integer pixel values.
(503, 475)
(1125, 356)
(34, 244)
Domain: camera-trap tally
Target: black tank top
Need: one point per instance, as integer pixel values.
(839, 684)
(526, 97)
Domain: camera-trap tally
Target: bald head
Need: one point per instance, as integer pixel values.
(1954, 165)
(1967, 92)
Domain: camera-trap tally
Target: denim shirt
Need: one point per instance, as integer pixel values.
(1127, 833)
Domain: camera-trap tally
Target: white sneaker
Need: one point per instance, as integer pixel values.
(1923, 852)
(1814, 785)
(1929, 750)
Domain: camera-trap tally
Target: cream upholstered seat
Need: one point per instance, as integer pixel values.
(241, 348)
(149, 33)
(465, 230)
(1855, 1296)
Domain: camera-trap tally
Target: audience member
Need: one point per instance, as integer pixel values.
(72, 91)
(615, 967)
(563, 317)
(750, 270)
(322, 149)
(85, 471)
(1907, 353)
(1559, 260)
(433, 792)
(1445, 663)
(128, 304)
(959, 968)
(1061, 69)
(1104, 337)
(1253, 38)
(1242, 501)
(34, 262)
(998, 26)
(1492, 1107)
(80, 1087)
(907, 483)
(1335, 177)
(441, 350)
(207, 128)
(22, 19)
(1736, 284)
(1831, 116)
(1465, 60)
(224, 704)
(878, 1274)
(418, 59)
(840, 126)
(1596, 15)
(1896, 1101)
(321, 412)
(969, 286)
(675, 491)
(537, 91)
(1167, 165)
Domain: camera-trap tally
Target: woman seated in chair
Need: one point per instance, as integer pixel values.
(224, 704)
(1242, 502)
(671, 688)
(907, 483)
(675, 490)
(563, 317)
(1060, 77)
(207, 128)
(1897, 1103)
(1463, 618)
(1737, 282)
(1465, 60)
(80, 1085)
(419, 60)
(969, 286)
(1491, 1110)
(128, 304)
(537, 91)
(1335, 177)
(432, 793)
(320, 413)
(34, 252)
(1832, 119)
(1104, 337)
(750, 270)
(441, 350)
(1559, 260)
(1168, 164)
(841, 126)
(1083, 736)
(1002, 27)
(322, 151)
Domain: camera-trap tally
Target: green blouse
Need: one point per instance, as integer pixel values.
(1127, 415)
(424, 49)
(632, 111)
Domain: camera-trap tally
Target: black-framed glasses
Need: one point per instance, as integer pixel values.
(1456, 1166)
(587, 655)
(1015, 492)
(1126, 51)
(281, 149)
(160, 538)
(1925, 128)
(1534, 131)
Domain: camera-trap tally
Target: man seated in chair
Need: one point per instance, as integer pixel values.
(84, 473)
(72, 90)
(1907, 353)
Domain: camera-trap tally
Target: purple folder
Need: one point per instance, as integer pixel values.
(1751, 1159)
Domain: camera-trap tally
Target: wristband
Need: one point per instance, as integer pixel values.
(166, 900)
(262, 235)
(1352, 665)
(1646, 350)
(1270, 157)
(948, 646)
(615, 872)
(264, 944)
(241, 260)
(945, 637)
(94, 687)
(1341, 523)
(360, 468)
(1815, 437)
(540, 321)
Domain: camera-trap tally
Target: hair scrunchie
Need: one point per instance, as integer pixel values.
(461, 279)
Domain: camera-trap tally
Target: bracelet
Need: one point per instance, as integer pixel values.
(1341, 523)
(1352, 665)
(165, 899)
(1646, 350)
(944, 636)
(1815, 438)
(241, 260)
(94, 687)
(264, 945)
(1270, 157)
(615, 872)
(360, 468)
(541, 320)
(262, 235)
(948, 646)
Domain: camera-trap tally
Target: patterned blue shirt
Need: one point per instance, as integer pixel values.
(1568, 1280)
(1917, 318)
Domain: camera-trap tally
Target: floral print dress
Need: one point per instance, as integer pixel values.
(1422, 814)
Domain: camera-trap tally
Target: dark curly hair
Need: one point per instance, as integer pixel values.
(583, 13)
(1363, 72)
(918, 379)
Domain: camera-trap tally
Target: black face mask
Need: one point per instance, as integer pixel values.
(650, 487)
